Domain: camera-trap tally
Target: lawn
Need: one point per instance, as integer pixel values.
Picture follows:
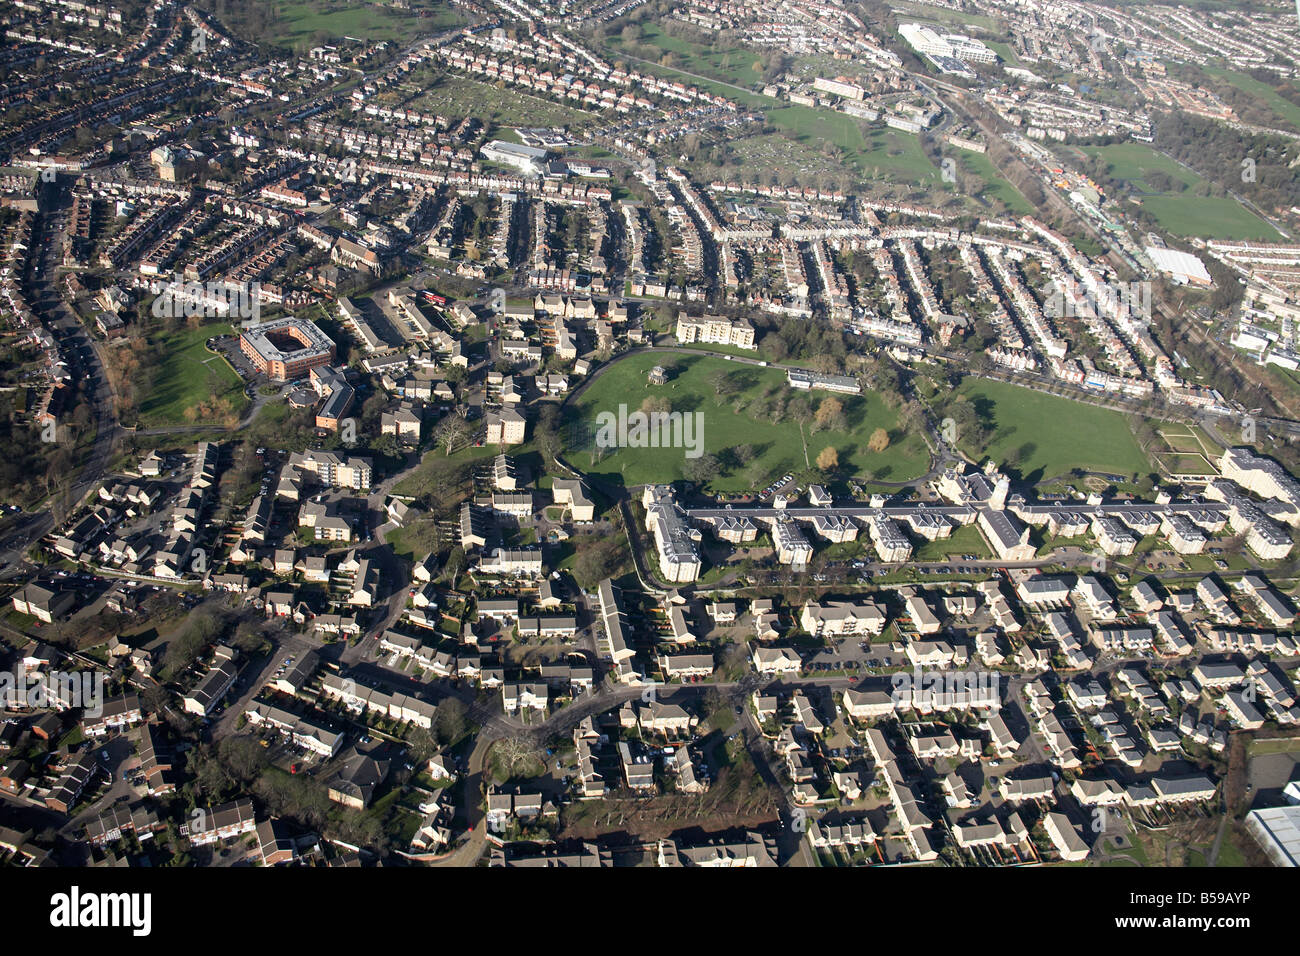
(456, 95)
(1286, 111)
(1181, 212)
(190, 381)
(779, 447)
(876, 153)
(439, 474)
(966, 539)
(937, 16)
(695, 65)
(1051, 435)
(1188, 439)
(733, 66)
(995, 188)
(297, 24)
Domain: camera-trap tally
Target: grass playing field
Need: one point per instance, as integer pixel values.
(297, 24)
(995, 187)
(779, 447)
(190, 379)
(1286, 111)
(1046, 436)
(1181, 212)
(877, 153)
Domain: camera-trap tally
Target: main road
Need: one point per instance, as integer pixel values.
(84, 362)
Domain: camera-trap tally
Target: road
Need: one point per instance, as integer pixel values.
(85, 362)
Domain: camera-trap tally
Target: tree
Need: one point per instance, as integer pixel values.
(724, 384)
(597, 561)
(828, 459)
(878, 441)
(703, 469)
(830, 415)
(450, 433)
(449, 721)
(455, 565)
(656, 404)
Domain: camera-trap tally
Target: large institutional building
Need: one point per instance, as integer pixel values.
(714, 330)
(953, 45)
(286, 348)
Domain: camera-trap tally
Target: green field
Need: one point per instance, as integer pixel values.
(1188, 439)
(996, 188)
(873, 153)
(966, 539)
(734, 66)
(1051, 435)
(187, 377)
(1286, 111)
(779, 447)
(876, 153)
(456, 95)
(922, 12)
(298, 24)
(1182, 212)
(1004, 50)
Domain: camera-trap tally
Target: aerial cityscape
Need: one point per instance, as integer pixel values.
(649, 433)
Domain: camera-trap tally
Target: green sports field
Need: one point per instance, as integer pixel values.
(779, 447)
(995, 187)
(298, 23)
(190, 377)
(1286, 111)
(1181, 212)
(1050, 436)
(876, 153)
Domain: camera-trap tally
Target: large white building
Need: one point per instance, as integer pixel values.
(675, 540)
(526, 159)
(953, 45)
(1181, 267)
(1277, 829)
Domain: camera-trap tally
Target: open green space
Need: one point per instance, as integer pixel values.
(966, 539)
(1263, 746)
(1181, 212)
(306, 22)
(191, 385)
(1189, 439)
(734, 65)
(1284, 109)
(454, 95)
(744, 418)
(695, 65)
(1181, 464)
(938, 16)
(1004, 50)
(1046, 435)
(995, 188)
(876, 153)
